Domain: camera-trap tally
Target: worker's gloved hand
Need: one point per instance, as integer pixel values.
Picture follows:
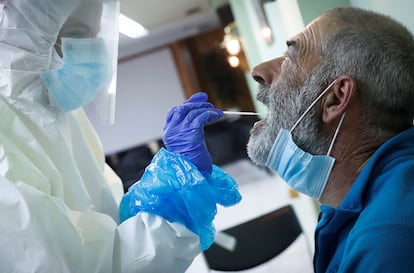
(184, 130)
(174, 188)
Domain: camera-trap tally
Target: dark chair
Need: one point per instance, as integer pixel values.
(226, 140)
(257, 241)
(131, 164)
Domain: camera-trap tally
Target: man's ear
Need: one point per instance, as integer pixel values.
(337, 101)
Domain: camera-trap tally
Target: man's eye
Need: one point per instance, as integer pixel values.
(290, 43)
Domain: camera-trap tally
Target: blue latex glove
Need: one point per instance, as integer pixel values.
(184, 130)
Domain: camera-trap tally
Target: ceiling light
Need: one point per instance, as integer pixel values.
(234, 61)
(233, 46)
(231, 39)
(131, 28)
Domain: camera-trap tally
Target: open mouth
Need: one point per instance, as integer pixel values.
(258, 124)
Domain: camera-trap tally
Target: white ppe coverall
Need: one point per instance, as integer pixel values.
(57, 207)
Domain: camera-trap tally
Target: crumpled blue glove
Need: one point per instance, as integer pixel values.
(184, 130)
(174, 188)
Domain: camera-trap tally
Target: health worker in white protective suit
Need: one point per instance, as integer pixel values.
(58, 205)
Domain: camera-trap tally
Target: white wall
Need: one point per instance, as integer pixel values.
(147, 87)
(401, 10)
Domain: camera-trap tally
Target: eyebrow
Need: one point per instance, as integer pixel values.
(292, 50)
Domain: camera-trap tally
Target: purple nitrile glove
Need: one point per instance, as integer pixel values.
(184, 130)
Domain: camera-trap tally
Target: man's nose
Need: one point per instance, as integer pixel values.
(267, 72)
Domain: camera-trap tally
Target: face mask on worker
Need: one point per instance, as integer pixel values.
(84, 73)
(88, 44)
(303, 171)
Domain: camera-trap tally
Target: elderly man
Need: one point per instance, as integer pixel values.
(340, 129)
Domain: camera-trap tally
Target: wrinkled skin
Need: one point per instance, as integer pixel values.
(287, 86)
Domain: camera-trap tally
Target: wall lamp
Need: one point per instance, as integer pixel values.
(265, 29)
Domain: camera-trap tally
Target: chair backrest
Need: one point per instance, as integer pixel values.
(257, 241)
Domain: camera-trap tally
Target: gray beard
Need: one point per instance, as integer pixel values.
(285, 105)
(282, 111)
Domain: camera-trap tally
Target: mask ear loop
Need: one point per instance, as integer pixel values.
(336, 133)
(312, 104)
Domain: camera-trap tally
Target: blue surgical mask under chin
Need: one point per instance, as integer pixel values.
(86, 70)
(303, 171)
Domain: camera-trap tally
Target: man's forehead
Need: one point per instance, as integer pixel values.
(326, 25)
(316, 31)
(305, 46)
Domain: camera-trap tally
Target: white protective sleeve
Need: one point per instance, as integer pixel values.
(57, 210)
(59, 216)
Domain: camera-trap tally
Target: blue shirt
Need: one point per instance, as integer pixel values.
(373, 229)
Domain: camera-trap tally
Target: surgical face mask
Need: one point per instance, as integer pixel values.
(85, 71)
(303, 171)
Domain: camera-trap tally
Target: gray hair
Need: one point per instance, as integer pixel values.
(378, 52)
